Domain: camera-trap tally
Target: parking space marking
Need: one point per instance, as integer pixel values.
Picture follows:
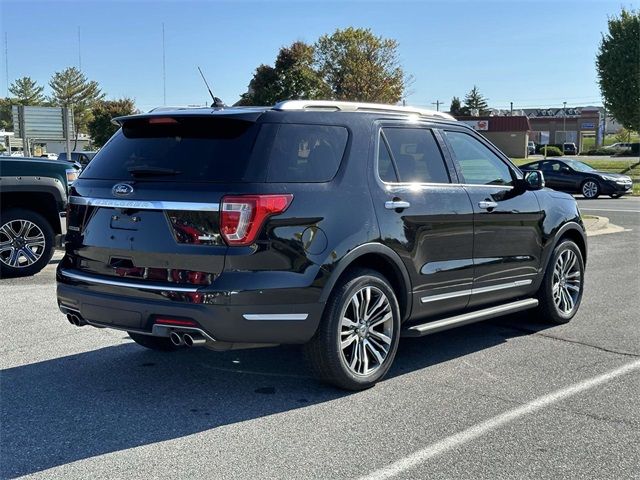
(609, 210)
(480, 429)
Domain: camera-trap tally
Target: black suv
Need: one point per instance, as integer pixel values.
(341, 226)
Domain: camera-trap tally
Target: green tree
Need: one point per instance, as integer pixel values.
(100, 127)
(27, 91)
(6, 120)
(360, 66)
(455, 108)
(293, 77)
(475, 101)
(618, 67)
(70, 88)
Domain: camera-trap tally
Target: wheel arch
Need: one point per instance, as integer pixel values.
(572, 231)
(383, 259)
(42, 202)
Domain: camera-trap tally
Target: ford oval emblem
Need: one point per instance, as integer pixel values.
(122, 189)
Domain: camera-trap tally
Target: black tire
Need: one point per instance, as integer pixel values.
(591, 193)
(161, 344)
(11, 222)
(326, 357)
(549, 309)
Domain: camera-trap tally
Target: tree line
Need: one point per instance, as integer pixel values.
(70, 88)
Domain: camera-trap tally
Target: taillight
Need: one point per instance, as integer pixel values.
(242, 216)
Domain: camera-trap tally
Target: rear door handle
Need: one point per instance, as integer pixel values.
(487, 204)
(394, 204)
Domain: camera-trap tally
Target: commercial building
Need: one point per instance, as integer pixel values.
(510, 134)
(560, 125)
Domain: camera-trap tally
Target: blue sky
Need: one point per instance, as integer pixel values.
(532, 53)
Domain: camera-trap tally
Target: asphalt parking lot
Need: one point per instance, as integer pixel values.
(509, 398)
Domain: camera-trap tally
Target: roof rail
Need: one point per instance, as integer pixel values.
(331, 105)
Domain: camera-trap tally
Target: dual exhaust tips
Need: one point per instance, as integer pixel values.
(187, 339)
(179, 339)
(75, 320)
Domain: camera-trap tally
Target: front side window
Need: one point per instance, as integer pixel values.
(415, 155)
(479, 165)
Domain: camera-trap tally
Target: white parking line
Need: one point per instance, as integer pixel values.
(609, 210)
(494, 423)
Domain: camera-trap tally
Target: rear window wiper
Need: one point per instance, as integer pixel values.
(152, 171)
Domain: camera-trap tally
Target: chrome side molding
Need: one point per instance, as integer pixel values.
(475, 291)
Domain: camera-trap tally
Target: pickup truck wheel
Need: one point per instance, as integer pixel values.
(26, 242)
(162, 344)
(358, 336)
(561, 291)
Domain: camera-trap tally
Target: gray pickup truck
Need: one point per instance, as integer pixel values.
(33, 201)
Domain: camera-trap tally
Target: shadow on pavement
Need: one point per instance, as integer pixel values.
(115, 398)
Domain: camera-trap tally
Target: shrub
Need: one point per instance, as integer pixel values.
(598, 151)
(551, 151)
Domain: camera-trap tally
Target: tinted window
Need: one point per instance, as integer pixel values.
(386, 169)
(479, 165)
(533, 166)
(303, 153)
(416, 155)
(196, 148)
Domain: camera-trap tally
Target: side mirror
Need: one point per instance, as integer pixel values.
(534, 180)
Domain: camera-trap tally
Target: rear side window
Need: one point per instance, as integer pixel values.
(301, 153)
(416, 156)
(193, 149)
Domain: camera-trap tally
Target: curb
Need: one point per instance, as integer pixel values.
(600, 226)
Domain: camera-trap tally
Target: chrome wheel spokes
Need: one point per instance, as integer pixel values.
(366, 330)
(22, 243)
(567, 281)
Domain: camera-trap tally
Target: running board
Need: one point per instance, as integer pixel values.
(467, 318)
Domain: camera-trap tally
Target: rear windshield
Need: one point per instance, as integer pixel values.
(221, 149)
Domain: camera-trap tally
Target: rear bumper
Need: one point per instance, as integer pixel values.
(288, 323)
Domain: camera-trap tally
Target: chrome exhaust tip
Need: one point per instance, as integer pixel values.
(194, 340)
(176, 339)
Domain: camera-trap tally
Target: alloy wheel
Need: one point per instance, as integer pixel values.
(567, 279)
(366, 330)
(22, 243)
(590, 189)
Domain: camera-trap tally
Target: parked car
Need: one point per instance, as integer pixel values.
(50, 156)
(569, 149)
(336, 225)
(83, 158)
(619, 146)
(33, 199)
(531, 148)
(573, 176)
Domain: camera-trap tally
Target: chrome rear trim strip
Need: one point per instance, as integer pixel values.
(475, 291)
(275, 316)
(122, 283)
(144, 204)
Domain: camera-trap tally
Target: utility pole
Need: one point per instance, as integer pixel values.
(6, 60)
(164, 71)
(437, 103)
(564, 121)
(79, 52)
(511, 109)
